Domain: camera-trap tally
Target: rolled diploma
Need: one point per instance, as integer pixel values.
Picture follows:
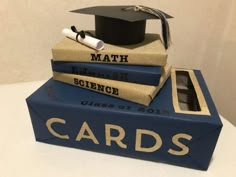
(88, 40)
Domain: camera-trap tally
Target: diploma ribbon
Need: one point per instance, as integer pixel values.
(79, 33)
(83, 37)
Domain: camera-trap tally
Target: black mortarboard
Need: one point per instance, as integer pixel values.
(123, 25)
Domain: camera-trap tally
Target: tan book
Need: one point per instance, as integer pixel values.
(149, 52)
(138, 93)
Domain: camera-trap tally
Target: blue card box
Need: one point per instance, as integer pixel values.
(181, 126)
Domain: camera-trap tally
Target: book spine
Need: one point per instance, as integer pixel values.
(124, 90)
(104, 71)
(138, 93)
(137, 58)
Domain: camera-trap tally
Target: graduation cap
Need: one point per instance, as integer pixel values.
(124, 25)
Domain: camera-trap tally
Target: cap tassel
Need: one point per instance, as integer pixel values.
(159, 14)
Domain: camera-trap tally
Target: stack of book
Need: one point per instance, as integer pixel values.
(132, 65)
(131, 72)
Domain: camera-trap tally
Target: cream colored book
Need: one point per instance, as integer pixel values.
(149, 52)
(138, 93)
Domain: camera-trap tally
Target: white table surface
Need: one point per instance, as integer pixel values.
(22, 156)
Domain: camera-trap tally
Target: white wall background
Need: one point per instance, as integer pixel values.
(203, 34)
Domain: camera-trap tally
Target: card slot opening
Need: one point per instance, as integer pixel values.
(187, 94)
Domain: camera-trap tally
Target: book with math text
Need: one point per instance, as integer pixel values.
(149, 52)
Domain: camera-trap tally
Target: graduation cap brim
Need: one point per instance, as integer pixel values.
(117, 26)
(117, 12)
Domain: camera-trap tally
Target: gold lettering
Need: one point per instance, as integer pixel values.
(53, 132)
(118, 138)
(89, 135)
(175, 140)
(138, 142)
